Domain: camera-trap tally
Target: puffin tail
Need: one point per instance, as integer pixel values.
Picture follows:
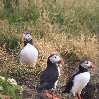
(43, 86)
(68, 86)
(66, 90)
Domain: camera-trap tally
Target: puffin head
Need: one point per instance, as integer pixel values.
(55, 59)
(26, 38)
(87, 64)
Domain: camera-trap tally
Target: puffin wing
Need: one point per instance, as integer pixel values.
(69, 84)
(47, 79)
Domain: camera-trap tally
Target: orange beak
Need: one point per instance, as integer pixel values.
(93, 66)
(61, 62)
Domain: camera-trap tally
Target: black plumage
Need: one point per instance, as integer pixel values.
(69, 84)
(26, 42)
(49, 76)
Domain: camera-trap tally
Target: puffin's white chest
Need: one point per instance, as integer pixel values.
(59, 70)
(57, 80)
(80, 81)
(28, 54)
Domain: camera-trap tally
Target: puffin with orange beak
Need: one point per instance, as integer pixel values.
(79, 80)
(29, 54)
(49, 77)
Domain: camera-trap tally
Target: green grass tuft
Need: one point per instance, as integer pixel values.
(9, 42)
(10, 90)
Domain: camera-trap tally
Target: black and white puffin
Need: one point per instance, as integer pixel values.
(29, 54)
(49, 77)
(79, 80)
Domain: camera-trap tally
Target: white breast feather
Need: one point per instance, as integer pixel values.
(80, 81)
(59, 70)
(57, 80)
(28, 54)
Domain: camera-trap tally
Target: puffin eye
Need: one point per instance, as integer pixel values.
(55, 56)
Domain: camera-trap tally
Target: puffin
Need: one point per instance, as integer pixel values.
(29, 53)
(79, 80)
(49, 77)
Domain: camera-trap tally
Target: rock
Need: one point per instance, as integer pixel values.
(91, 91)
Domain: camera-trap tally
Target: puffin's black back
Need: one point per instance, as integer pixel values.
(69, 84)
(26, 41)
(30, 42)
(49, 76)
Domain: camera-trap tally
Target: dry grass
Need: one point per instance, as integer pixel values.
(48, 37)
(67, 27)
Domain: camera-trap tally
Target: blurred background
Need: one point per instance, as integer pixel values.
(67, 27)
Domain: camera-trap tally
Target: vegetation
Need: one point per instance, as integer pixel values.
(67, 27)
(9, 88)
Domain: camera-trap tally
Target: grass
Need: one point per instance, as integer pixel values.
(65, 27)
(9, 90)
(69, 28)
(73, 16)
(13, 14)
(9, 42)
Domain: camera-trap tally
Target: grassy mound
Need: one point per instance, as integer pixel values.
(67, 27)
